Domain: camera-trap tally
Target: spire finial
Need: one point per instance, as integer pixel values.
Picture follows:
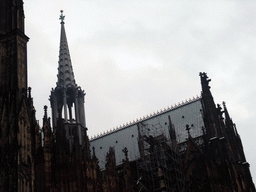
(62, 17)
(224, 103)
(45, 111)
(29, 92)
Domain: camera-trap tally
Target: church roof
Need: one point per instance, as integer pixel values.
(65, 72)
(151, 116)
(185, 113)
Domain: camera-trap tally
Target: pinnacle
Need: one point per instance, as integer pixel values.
(65, 71)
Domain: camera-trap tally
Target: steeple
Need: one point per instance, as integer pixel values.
(65, 72)
(67, 99)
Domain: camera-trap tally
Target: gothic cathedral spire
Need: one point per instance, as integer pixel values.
(65, 72)
(67, 99)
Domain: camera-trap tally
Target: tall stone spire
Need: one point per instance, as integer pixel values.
(65, 72)
(67, 99)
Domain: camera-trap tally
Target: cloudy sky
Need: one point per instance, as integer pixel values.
(134, 57)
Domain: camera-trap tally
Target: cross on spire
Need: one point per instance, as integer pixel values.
(62, 17)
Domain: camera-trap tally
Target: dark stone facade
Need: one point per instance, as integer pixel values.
(58, 158)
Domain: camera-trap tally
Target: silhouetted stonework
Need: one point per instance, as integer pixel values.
(58, 158)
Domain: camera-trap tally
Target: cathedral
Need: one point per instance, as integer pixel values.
(190, 147)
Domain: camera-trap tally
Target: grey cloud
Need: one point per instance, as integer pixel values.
(180, 38)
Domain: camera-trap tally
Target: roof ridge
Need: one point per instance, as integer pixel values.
(148, 116)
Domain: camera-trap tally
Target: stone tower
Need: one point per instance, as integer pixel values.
(67, 99)
(19, 131)
(69, 163)
(13, 51)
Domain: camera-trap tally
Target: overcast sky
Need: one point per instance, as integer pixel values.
(134, 57)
